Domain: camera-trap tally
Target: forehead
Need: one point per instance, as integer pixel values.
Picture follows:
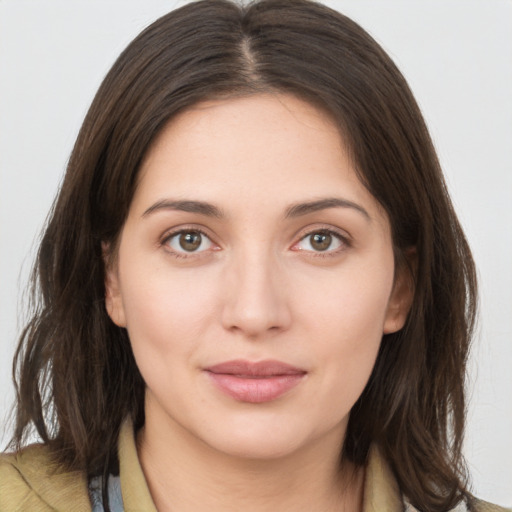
(267, 149)
(256, 122)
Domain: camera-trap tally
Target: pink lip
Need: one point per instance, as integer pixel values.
(258, 382)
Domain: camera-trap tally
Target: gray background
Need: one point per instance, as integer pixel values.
(457, 57)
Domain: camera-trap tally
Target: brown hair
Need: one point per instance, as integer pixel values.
(76, 377)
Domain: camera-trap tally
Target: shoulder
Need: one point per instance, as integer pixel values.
(470, 504)
(476, 505)
(30, 480)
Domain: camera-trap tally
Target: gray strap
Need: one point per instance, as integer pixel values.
(115, 498)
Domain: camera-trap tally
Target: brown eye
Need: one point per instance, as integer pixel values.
(321, 241)
(190, 240)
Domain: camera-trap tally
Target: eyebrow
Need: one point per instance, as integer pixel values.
(200, 207)
(299, 209)
(293, 211)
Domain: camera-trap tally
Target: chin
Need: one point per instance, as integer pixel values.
(256, 447)
(261, 437)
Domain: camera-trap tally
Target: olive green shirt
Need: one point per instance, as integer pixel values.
(29, 483)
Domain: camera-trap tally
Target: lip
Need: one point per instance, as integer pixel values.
(255, 382)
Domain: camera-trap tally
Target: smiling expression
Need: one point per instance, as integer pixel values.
(251, 249)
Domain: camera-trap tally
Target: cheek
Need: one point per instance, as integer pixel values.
(351, 301)
(166, 312)
(349, 339)
(345, 318)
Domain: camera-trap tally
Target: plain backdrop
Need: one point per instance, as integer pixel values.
(457, 57)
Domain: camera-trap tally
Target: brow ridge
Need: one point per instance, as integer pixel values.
(300, 209)
(293, 211)
(200, 207)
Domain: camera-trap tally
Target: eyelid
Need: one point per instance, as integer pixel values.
(171, 233)
(342, 235)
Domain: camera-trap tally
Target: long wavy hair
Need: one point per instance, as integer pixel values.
(75, 374)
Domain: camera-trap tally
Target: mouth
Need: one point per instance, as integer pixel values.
(255, 382)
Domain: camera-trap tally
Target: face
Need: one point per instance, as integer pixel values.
(255, 277)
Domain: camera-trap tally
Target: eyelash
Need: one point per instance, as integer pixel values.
(328, 253)
(183, 255)
(342, 238)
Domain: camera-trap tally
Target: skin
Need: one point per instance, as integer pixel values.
(256, 288)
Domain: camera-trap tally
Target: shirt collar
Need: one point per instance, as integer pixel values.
(136, 495)
(381, 492)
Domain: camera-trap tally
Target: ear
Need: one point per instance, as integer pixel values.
(402, 295)
(113, 296)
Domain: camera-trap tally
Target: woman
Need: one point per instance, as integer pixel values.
(246, 298)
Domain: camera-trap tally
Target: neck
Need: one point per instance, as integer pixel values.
(185, 475)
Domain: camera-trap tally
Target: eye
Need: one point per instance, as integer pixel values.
(188, 241)
(321, 241)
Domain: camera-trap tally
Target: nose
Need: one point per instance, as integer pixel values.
(255, 297)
